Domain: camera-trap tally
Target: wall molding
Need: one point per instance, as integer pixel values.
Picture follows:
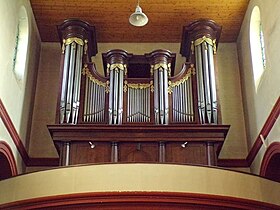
(139, 200)
(233, 163)
(28, 161)
(267, 127)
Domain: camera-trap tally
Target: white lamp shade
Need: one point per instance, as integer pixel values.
(138, 18)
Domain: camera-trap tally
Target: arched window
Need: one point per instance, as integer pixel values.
(21, 45)
(257, 46)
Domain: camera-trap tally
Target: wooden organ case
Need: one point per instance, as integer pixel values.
(139, 111)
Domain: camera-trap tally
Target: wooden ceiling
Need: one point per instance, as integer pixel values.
(166, 17)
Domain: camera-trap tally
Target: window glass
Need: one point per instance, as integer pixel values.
(262, 46)
(257, 46)
(21, 44)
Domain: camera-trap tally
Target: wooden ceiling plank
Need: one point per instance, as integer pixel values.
(162, 16)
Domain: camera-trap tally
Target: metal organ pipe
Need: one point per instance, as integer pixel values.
(116, 93)
(71, 71)
(206, 81)
(200, 85)
(190, 105)
(161, 94)
(76, 49)
(97, 102)
(115, 90)
(165, 93)
(91, 100)
(120, 93)
(102, 106)
(182, 99)
(161, 99)
(94, 101)
(71, 81)
(185, 102)
(213, 83)
(148, 105)
(85, 118)
(111, 98)
(161, 70)
(138, 102)
(77, 84)
(207, 99)
(198, 45)
(116, 69)
(64, 83)
(156, 97)
(128, 104)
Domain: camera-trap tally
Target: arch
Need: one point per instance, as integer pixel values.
(257, 46)
(270, 167)
(7, 161)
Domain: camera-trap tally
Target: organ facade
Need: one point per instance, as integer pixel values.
(138, 111)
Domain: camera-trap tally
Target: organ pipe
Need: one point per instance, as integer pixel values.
(182, 97)
(207, 100)
(95, 96)
(161, 70)
(199, 45)
(75, 35)
(116, 61)
(116, 93)
(161, 94)
(199, 38)
(138, 101)
(70, 91)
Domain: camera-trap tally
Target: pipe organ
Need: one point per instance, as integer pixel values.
(168, 118)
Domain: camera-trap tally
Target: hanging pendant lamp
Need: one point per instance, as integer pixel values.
(138, 18)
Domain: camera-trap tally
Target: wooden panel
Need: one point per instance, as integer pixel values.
(82, 153)
(162, 16)
(194, 153)
(139, 152)
(144, 133)
(140, 143)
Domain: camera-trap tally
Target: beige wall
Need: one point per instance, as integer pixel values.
(229, 92)
(17, 96)
(41, 144)
(139, 178)
(231, 105)
(258, 104)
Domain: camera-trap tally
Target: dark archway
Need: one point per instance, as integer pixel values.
(7, 161)
(270, 167)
